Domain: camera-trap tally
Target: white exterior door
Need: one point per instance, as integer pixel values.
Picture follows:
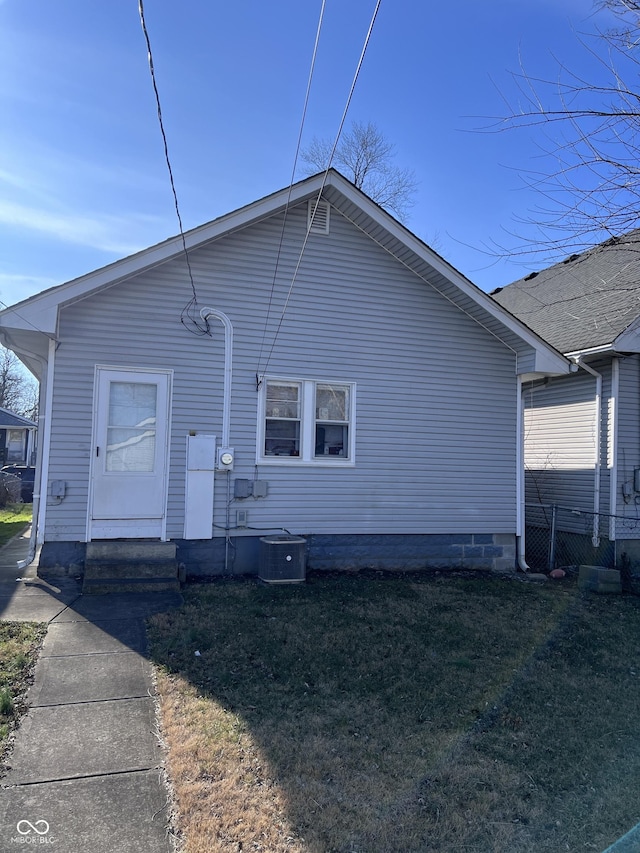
(130, 454)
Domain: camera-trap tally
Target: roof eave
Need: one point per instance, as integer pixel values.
(548, 360)
(629, 340)
(40, 312)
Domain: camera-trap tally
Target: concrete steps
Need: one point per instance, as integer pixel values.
(123, 565)
(599, 579)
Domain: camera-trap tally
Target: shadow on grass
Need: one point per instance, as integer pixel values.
(355, 714)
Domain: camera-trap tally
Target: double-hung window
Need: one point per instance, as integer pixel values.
(283, 417)
(305, 421)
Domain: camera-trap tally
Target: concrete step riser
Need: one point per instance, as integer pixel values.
(130, 550)
(130, 568)
(114, 585)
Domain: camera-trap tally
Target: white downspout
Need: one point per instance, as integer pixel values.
(613, 447)
(205, 313)
(595, 539)
(42, 458)
(520, 494)
(30, 443)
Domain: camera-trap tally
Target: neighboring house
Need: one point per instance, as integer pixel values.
(582, 445)
(17, 439)
(361, 392)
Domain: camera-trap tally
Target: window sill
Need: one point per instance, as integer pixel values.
(297, 462)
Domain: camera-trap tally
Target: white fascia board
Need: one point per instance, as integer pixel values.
(551, 363)
(41, 311)
(629, 340)
(31, 318)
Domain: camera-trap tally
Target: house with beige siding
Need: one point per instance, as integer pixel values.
(582, 431)
(307, 367)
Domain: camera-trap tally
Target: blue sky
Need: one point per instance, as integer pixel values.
(83, 180)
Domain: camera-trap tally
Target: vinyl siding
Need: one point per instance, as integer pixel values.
(560, 441)
(628, 446)
(435, 393)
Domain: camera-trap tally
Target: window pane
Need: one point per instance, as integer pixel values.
(131, 433)
(130, 449)
(283, 400)
(332, 440)
(282, 438)
(332, 402)
(132, 404)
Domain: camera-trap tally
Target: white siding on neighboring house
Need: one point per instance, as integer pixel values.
(628, 457)
(560, 441)
(435, 394)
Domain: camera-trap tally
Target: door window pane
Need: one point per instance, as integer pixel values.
(131, 431)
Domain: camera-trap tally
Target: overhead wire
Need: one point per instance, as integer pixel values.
(324, 181)
(189, 316)
(293, 174)
(22, 317)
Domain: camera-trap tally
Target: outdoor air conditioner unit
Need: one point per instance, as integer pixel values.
(282, 559)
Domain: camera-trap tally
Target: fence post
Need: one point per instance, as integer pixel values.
(552, 538)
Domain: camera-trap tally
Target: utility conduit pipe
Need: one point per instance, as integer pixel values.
(595, 538)
(205, 313)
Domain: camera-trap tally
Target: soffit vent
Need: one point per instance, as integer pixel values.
(318, 222)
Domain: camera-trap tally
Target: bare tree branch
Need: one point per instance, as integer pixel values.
(18, 391)
(589, 180)
(364, 155)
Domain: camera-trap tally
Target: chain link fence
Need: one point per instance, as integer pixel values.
(560, 537)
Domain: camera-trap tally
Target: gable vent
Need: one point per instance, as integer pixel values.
(318, 223)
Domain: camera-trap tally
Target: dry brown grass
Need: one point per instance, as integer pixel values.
(406, 714)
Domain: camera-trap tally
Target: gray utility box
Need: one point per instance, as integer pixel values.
(282, 559)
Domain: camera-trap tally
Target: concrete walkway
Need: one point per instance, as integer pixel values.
(85, 770)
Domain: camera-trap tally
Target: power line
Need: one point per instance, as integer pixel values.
(324, 179)
(293, 172)
(189, 316)
(22, 317)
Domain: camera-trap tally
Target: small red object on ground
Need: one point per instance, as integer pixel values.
(556, 574)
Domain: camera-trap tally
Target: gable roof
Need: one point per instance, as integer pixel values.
(13, 421)
(588, 301)
(27, 326)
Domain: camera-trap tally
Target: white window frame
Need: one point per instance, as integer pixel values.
(307, 425)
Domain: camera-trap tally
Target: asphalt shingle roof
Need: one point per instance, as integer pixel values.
(10, 419)
(585, 301)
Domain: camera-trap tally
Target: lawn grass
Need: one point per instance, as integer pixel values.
(14, 518)
(19, 646)
(369, 715)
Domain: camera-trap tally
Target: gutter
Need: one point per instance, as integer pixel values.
(613, 446)
(595, 538)
(42, 457)
(520, 493)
